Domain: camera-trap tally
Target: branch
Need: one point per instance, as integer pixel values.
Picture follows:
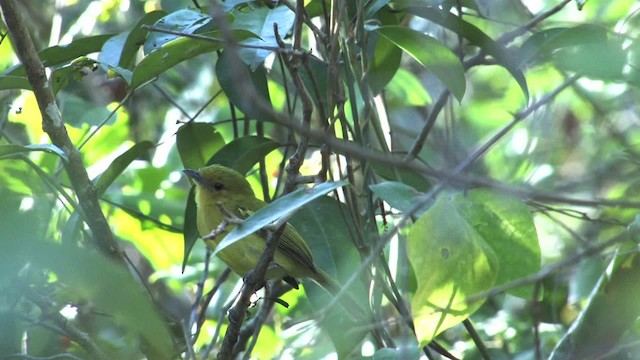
(251, 282)
(53, 125)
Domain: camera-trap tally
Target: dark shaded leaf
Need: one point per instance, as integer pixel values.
(243, 153)
(196, 143)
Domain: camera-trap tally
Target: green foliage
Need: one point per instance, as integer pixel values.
(522, 115)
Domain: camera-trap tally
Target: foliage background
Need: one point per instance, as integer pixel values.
(566, 145)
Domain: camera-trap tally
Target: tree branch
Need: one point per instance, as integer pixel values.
(53, 125)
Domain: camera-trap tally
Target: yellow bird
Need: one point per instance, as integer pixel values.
(217, 184)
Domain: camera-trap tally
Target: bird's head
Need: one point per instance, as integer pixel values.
(220, 181)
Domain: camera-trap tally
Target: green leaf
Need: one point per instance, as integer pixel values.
(281, 208)
(62, 54)
(611, 60)
(320, 77)
(175, 52)
(384, 63)
(506, 225)
(121, 50)
(451, 262)
(11, 150)
(334, 252)
(540, 45)
(476, 37)
(190, 227)
(236, 94)
(405, 176)
(77, 111)
(118, 165)
(400, 196)
(260, 21)
(243, 153)
(196, 143)
(431, 54)
(9, 82)
(405, 88)
(184, 21)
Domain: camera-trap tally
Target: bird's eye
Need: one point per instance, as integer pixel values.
(218, 186)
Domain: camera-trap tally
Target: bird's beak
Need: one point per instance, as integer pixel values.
(194, 174)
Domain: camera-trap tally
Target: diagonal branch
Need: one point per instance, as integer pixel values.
(53, 125)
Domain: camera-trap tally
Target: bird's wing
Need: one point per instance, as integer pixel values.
(296, 250)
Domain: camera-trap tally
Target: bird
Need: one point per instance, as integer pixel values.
(217, 187)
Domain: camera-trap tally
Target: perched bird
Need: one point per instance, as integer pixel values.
(217, 184)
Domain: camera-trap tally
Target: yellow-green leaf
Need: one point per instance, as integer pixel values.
(451, 262)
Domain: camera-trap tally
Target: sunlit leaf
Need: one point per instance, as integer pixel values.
(10, 150)
(506, 225)
(405, 88)
(451, 262)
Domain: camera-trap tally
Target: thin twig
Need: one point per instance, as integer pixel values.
(81, 338)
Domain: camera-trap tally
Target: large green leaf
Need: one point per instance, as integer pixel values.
(196, 143)
(384, 64)
(431, 54)
(184, 21)
(463, 245)
(476, 37)
(226, 69)
(243, 153)
(540, 45)
(61, 54)
(506, 225)
(280, 208)
(334, 252)
(260, 21)
(451, 262)
(175, 52)
(121, 50)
